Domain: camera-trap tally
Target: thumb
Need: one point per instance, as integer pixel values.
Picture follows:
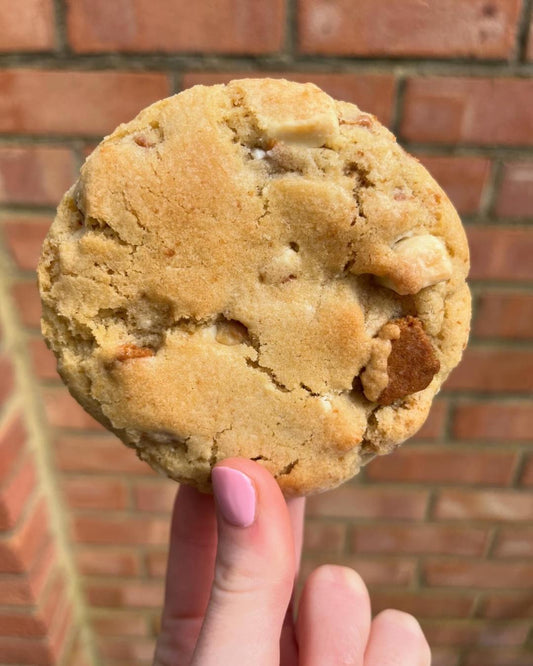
(254, 569)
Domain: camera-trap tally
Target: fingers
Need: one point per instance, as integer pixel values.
(191, 563)
(254, 569)
(396, 639)
(334, 618)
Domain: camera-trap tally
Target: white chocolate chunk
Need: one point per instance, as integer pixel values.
(283, 267)
(421, 261)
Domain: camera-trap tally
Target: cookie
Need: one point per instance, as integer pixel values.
(256, 269)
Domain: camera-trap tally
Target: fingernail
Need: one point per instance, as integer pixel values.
(235, 496)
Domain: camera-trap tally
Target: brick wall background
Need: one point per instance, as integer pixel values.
(444, 527)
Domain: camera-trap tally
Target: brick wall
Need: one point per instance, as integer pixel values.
(444, 528)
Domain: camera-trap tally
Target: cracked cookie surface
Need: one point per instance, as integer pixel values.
(255, 270)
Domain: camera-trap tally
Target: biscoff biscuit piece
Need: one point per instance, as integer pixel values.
(256, 269)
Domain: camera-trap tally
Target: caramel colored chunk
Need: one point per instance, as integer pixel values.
(412, 362)
(129, 351)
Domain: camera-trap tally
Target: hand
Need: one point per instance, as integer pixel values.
(229, 603)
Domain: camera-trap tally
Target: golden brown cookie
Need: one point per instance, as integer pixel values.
(258, 270)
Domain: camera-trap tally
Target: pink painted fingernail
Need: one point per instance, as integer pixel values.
(235, 496)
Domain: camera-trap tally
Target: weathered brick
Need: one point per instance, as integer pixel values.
(63, 411)
(120, 530)
(504, 605)
(155, 496)
(374, 571)
(462, 178)
(504, 315)
(477, 573)
(493, 420)
(125, 594)
(97, 454)
(28, 303)
(443, 465)
(35, 174)
(24, 237)
(516, 191)
(504, 505)
(324, 536)
(19, 550)
(21, 623)
(156, 563)
(7, 378)
(491, 370)
(418, 539)
(501, 253)
(424, 604)
(433, 427)
(470, 110)
(514, 542)
(358, 502)
(224, 26)
(495, 656)
(107, 561)
(89, 492)
(118, 623)
(25, 589)
(449, 28)
(12, 441)
(27, 26)
(74, 102)
(474, 632)
(373, 93)
(15, 493)
(43, 360)
(31, 651)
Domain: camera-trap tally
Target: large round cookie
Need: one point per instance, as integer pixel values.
(256, 270)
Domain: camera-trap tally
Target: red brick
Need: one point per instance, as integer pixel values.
(514, 542)
(373, 93)
(324, 536)
(434, 426)
(156, 563)
(224, 26)
(449, 28)
(22, 624)
(88, 492)
(126, 648)
(25, 589)
(118, 623)
(468, 110)
(27, 26)
(374, 571)
(107, 561)
(501, 253)
(43, 360)
(15, 494)
(418, 539)
(12, 441)
(352, 501)
(24, 238)
(443, 465)
(527, 473)
(505, 606)
(120, 530)
(125, 594)
(493, 420)
(28, 303)
(424, 604)
(441, 656)
(7, 378)
(19, 550)
(530, 41)
(516, 191)
(97, 454)
(62, 411)
(34, 652)
(156, 496)
(478, 573)
(35, 174)
(74, 102)
(498, 657)
(484, 505)
(474, 632)
(492, 370)
(504, 315)
(462, 178)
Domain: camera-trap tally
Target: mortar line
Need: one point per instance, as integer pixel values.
(398, 106)
(39, 443)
